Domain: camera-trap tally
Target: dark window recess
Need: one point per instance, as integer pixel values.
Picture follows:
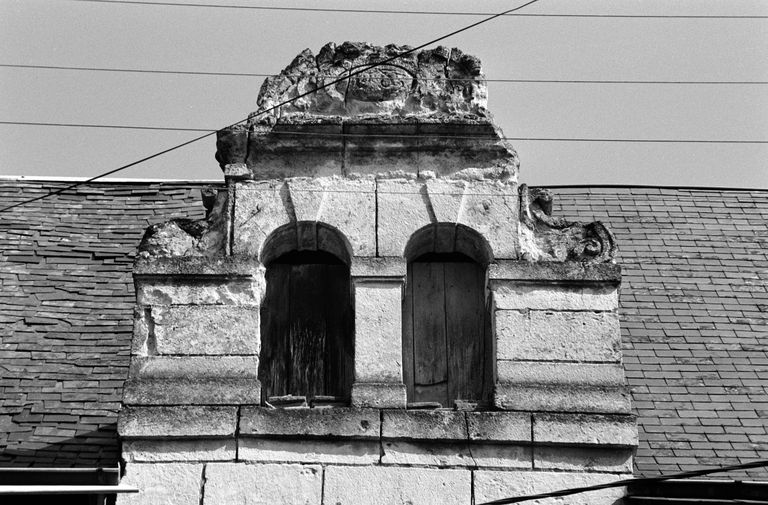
(307, 345)
(446, 331)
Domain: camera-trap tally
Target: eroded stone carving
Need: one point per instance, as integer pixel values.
(356, 109)
(436, 81)
(187, 237)
(548, 238)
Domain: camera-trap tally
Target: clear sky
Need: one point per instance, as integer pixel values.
(86, 34)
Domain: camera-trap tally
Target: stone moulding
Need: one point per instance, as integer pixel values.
(384, 147)
(548, 238)
(379, 438)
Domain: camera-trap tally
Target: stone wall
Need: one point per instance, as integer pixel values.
(193, 428)
(250, 455)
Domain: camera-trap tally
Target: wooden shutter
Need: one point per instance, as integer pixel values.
(446, 332)
(307, 347)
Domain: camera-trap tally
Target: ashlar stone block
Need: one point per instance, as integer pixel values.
(577, 429)
(495, 485)
(499, 426)
(494, 455)
(388, 485)
(172, 367)
(260, 208)
(193, 380)
(171, 483)
(379, 395)
(535, 373)
(492, 209)
(191, 391)
(245, 484)
(221, 291)
(399, 452)
(191, 450)
(212, 330)
(378, 331)
(561, 387)
(332, 422)
(402, 210)
(563, 398)
(347, 452)
(552, 335)
(424, 425)
(580, 459)
(348, 206)
(177, 421)
(511, 295)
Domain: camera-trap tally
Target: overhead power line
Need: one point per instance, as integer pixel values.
(395, 136)
(108, 126)
(251, 74)
(418, 13)
(264, 111)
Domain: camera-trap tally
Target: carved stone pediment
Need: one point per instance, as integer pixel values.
(549, 238)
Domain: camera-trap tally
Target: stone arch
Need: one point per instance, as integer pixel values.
(307, 339)
(447, 339)
(305, 236)
(446, 238)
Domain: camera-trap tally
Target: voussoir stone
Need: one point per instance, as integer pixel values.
(329, 422)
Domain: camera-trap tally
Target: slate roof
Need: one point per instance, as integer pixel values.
(694, 312)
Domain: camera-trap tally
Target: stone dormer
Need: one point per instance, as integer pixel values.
(373, 298)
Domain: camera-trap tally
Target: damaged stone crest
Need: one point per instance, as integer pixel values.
(430, 82)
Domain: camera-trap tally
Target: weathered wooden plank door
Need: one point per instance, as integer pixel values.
(446, 332)
(307, 347)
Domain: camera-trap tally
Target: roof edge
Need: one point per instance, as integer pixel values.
(116, 180)
(137, 180)
(646, 186)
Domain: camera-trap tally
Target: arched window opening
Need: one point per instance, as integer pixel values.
(447, 344)
(307, 345)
